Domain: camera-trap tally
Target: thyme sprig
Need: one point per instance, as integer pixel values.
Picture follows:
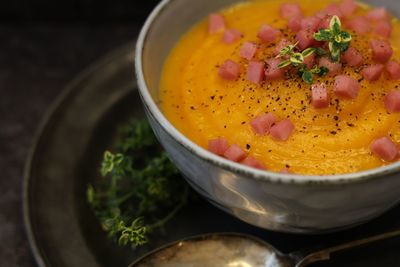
(296, 60)
(140, 189)
(338, 40)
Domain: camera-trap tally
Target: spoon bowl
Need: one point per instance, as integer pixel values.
(239, 250)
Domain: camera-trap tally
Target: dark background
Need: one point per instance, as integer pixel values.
(43, 45)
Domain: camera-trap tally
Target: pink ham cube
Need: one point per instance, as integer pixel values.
(268, 34)
(384, 148)
(216, 23)
(218, 146)
(352, 57)
(319, 96)
(346, 86)
(235, 153)
(262, 124)
(383, 28)
(305, 39)
(294, 23)
(230, 70)
(334, 10)
(231, 36)
(348, 7)
(256, 72)
(310, 61)
(381, 50)
(359, 25)
(392, 101)
(325, 22)
(310, 23)
(273, 72)
(333, 67)
(282, 130)
(289, 10)
(393, 69)
(248, 50)
(378, 14)
(251, 162)
(373, 72)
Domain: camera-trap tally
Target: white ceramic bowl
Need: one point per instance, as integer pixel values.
(288, 203)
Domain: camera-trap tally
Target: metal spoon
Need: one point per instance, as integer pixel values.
(238, 250)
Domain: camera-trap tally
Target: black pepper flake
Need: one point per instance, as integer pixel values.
(350, 124)
(336, 118)
(248, 146)
(243, 123)
(333, 132)
(212, 97)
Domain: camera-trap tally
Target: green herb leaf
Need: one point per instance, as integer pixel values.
(323, 35)
(307, 76)
(335, 25)
(284, 64)
(296, 58)
(308, 52)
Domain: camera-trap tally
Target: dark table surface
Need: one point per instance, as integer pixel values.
(37, 60)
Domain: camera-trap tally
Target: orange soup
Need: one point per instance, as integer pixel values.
(253, 59)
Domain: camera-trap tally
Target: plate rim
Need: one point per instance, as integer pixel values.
(36, 250)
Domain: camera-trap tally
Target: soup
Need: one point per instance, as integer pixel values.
(306, 87)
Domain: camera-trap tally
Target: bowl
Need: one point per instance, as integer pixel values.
(280, 202)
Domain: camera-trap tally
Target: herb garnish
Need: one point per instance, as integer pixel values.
(141, 190)
(338, 40)
(296, 59)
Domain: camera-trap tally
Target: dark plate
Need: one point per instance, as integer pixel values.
(65, 158)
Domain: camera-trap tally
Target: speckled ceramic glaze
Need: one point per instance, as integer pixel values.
(289, 203)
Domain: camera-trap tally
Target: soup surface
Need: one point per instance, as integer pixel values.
(334, 139)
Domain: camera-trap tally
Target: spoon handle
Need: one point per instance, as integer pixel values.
(326, 253)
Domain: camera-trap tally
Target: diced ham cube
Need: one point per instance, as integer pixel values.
(319, 96)
(273, 72)
(378, 14)
(268, 34)
(294, 23)
(310, 23)
(263, 123)
(216, 23)
(393, 69)
(305, 39)
(359, 25)
(218, 146)
(289, 10)
(392, 101)
(352, 57)
(256, 72)
(230, 70)
(333, 67)
(383, 28)
(248, 50)
(325, 22)
(235, 153)
(334, 10)
(282, 130)
(285, 171)
(373, 72)
(346, 86)
(251, 162)
(384, 148)
(381, 50)
(231, 36)
(282, 44)
(310, 61)
(348, 7)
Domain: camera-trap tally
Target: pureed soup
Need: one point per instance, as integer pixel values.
(306, 87)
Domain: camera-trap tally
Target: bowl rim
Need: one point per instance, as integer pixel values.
(185, 142)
